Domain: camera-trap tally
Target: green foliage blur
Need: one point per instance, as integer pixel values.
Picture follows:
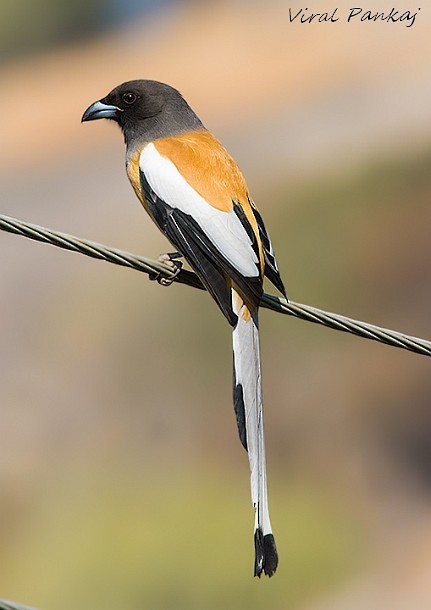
(35, 25)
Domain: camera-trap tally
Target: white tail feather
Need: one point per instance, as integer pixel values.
(248, 405)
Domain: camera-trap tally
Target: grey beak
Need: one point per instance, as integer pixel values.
(99, 110)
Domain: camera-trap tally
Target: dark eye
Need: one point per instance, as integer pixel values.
(129, 98)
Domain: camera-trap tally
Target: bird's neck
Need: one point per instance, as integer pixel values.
(163, 125)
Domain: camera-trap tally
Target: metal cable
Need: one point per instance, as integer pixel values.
(5, 604)
(158, 269)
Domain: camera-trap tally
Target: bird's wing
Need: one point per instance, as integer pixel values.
(197, 196)
(271, 268)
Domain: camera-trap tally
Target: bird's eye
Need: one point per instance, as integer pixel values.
(129, 98)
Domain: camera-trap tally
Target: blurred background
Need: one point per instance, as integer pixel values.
(122, 481)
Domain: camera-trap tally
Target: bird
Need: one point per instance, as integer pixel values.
(197, 196)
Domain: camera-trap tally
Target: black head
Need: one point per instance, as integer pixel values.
(145, 110)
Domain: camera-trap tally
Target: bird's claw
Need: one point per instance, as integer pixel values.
(168, 259)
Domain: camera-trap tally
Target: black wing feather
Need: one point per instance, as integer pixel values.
(271, 267)
(202, 255)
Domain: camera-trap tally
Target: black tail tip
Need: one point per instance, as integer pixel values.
(266, 557)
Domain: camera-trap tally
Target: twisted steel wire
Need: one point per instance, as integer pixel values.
(5, 604)
(157, 269)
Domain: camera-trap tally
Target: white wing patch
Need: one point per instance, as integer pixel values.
(224, 229)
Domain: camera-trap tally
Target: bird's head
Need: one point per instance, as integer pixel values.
(145, 110)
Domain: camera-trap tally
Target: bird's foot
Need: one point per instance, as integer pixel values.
(171, 260)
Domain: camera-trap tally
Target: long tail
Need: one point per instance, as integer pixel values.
(247, 392)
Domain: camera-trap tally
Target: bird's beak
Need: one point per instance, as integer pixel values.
(100, 110)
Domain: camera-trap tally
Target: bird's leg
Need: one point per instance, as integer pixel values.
(168, 259)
